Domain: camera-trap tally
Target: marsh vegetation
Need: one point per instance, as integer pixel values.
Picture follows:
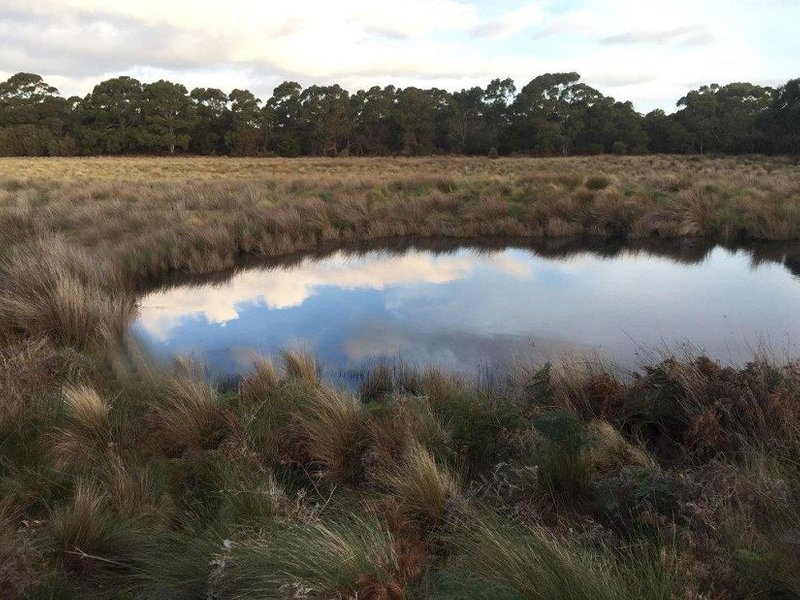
(122, 478)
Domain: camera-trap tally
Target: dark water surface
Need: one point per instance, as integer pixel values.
(471, 308)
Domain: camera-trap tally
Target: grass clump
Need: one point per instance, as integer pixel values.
(86, 433)
(332, 429)
(423, 487)
(562, 455)
(352, 556)
(597, 182)
(495, 559)
(189, 414)
(300, 365)
(51, 289)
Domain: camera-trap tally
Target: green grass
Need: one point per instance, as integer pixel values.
(123, 478)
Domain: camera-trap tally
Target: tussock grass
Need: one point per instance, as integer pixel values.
(189, 414)
(424, 488)
(87, 536)
(352, 556)
(495, 559)
(26, 369)
(609, 451)
(332, 429)
(20, 564)
(86, 433)
(51, 289)
(300, 365)
(257, 385)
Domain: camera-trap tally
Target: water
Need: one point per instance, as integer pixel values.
(470, 309)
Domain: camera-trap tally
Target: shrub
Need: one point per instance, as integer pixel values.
(619, 147)
(563, 457)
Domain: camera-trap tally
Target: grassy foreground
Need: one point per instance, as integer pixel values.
(121, 479)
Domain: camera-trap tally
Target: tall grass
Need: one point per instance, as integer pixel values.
(332, 429)
(350, 557)
(424, 488)
(86, 433)
(189, 414)
(54, 290)
(496, 559)
(121, 478)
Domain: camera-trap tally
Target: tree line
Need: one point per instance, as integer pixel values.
(553, 114)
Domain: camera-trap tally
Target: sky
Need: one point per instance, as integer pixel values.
(647, 51)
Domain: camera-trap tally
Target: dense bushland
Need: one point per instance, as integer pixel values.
(553, 114)
(122, 478)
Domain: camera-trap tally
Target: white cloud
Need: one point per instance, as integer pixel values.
(279, 288)
(512, 22)
(644, 51)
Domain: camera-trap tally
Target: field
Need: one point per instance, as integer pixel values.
(123, 479)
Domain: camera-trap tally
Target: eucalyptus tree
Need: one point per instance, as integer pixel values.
(285, 114)
(245, 136)
(783, 121)
(168, 116)
(326, 119)
(212, 118)
(113, 117)
(34, 119)
(370, 114)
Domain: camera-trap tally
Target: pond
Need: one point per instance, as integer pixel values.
(473, 309)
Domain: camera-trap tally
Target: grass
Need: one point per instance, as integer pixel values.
(86, 432)
(423, 488)
(350, 556)
(122, 478)
(495, 559)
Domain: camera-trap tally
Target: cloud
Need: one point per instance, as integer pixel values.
(645, 52)
(279, 288)
(680, 35)
(511, 23)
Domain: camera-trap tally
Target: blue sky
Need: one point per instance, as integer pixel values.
(648, 52)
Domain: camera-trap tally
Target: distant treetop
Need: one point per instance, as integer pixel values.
(553, 114)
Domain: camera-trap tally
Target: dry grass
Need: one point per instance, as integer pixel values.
(351, 557)
(423, 487)
(332, 429)
(189, 414)
(82, 527)
(300, 365)
(242, 489)
(256, 385)
(86, 433)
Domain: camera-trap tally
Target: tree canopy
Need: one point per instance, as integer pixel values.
(553, 114)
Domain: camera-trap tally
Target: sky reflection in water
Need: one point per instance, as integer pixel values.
(467, 309)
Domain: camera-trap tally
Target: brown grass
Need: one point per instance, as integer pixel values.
(189, 414)
(332, 429)
(183, 460)
(86, 433)
(423, 487)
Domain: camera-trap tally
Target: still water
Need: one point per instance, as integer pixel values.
(469, 308)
